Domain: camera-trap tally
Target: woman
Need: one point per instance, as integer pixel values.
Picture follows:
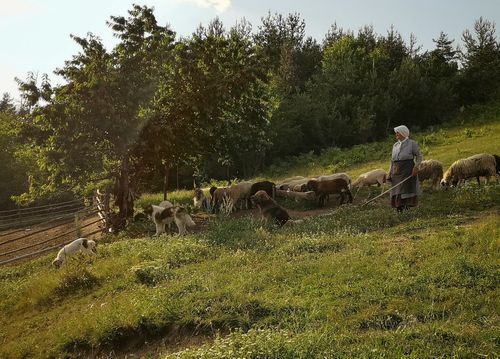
(406, 158)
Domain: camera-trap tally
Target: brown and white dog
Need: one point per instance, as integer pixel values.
(154, 212)
(181, 218)
(270, 211)
(84, 245)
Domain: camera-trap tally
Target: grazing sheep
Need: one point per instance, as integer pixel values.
(219, 197)
(267, 186)
(84, 245)
(334, 186)
(474, 166)
(377, 176)
(497, 160)
(181, 217)
(240, 191)
(430, 170)
(154, 212)
(269, 209)
(285, 184)
(299, 185)
(342, 175)
(200, 200)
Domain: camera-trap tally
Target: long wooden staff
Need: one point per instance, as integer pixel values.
(380, 195)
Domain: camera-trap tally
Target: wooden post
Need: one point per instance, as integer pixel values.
(165, 182)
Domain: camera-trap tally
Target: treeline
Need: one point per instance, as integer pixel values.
(225, 103)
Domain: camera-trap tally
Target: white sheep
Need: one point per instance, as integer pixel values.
(377, 176)
(480, 165)
(430, 170)
(285, 184)
(84, 245)
(300, 184)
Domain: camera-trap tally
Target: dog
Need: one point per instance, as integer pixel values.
(155, 213)
(270, 211)
(181, 218)
(78, 245)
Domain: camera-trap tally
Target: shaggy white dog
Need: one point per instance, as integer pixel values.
(84, 245)
(182, 219)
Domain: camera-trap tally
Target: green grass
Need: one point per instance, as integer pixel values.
(363, 282)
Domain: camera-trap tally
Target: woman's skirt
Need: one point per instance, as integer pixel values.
(405, 195)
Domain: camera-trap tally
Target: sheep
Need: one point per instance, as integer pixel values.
(219, 196)
(267, 186)
(334, 186)
(285, 184)
(154, 212)
(240, 191)
(84, 245)
(342, 175)
(299, 185)
(377, 176)
(430, 169)
(497, 160)
(200, 200)
(474, 166)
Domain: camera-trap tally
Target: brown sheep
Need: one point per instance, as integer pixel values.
(334, 186)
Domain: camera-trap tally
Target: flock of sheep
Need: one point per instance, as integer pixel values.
(480, 165)
(262, 194)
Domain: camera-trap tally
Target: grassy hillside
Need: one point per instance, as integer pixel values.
(362, 282)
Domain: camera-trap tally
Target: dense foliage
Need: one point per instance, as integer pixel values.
(226, 103)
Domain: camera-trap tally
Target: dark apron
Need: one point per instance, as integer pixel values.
(400, 171)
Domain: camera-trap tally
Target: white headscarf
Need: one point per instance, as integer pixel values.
(403, 130)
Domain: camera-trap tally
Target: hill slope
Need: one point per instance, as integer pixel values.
(362, 282)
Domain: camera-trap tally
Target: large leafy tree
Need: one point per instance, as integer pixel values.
(88, 127)
(210, 105)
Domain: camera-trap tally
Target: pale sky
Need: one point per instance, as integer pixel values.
(35, 34)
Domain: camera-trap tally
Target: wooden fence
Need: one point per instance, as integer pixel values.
(28, 233)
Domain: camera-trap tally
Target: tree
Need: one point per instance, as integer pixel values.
(7, 104)
(210, 102)
(92, 122)
(480, 77)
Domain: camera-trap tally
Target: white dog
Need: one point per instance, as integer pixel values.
(78, 245)
(155, 213)
(182, 219)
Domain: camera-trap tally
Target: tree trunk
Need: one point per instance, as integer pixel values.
(165, 182)
(126, 202)
(177, 177)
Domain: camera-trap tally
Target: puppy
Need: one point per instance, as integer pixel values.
(200, 200)
(78, 245)
(181, 217)
(155, 213)
(269, 209)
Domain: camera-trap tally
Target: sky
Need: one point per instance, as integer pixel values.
(35, 34)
